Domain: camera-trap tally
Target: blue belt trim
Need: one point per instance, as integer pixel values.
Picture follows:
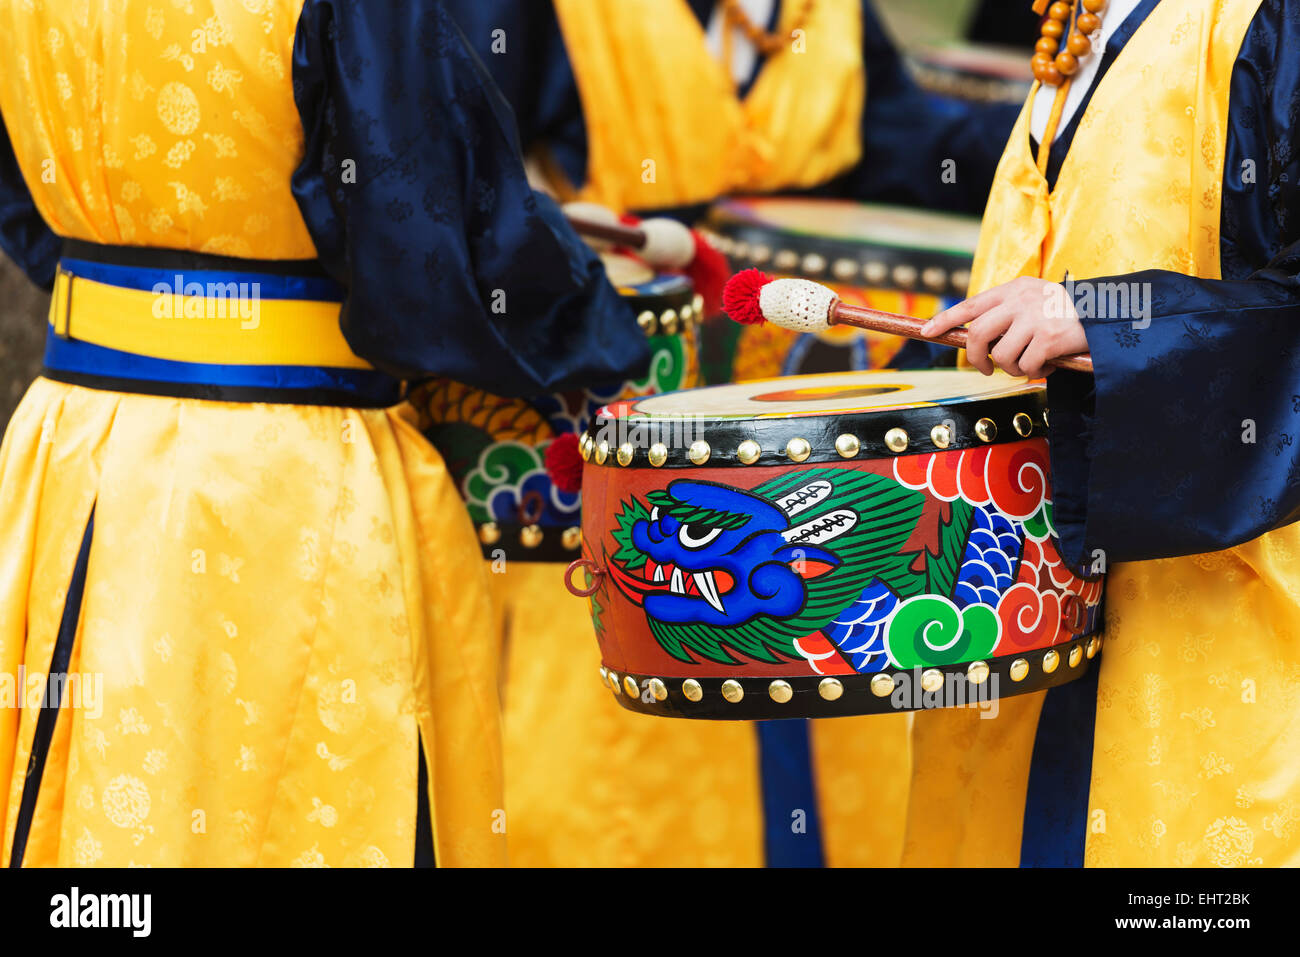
(368, 386)
(1060, 776)
(788, 784)
(270, 286)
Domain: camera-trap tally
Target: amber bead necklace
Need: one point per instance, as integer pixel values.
(1053, 64)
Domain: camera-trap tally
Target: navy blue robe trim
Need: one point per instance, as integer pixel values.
(51, 702)
(1056, 804)
(792, 833)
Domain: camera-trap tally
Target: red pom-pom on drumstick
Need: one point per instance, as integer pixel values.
(708, 272)
(740, 296)
(564, 463)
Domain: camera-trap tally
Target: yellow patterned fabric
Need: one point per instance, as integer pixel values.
(1193, 762)
(589, 784)
(280, 601)
(665, 125)
(132, 127)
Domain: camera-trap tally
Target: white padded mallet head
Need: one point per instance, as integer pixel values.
(799, 305)
(668, 244)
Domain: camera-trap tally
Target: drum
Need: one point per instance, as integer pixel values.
(973, 71)
(495, 447)
(890, 258)
(820, 546)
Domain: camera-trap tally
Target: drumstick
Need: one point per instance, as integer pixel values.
(630, 236)
(805, 306)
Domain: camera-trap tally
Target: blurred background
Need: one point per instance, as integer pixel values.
(914, 23)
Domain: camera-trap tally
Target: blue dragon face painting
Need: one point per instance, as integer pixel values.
(721, 556)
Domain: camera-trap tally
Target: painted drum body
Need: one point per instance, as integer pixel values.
(495, 447)
(819, 546)
(981, 72)
(890, 258)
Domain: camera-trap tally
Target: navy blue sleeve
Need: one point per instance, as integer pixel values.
(414, 193)
(24, 236)
(907, 134)
(520, 43)
(1188, 438)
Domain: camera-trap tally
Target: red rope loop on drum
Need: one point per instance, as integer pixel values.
(595, 571)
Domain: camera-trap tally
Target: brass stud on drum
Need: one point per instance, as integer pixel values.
(687, 314)
(1051, 661)
(732, 691)
(896, 440)
(489, 533)
(847, 445)
(658, 689)
(798, 450)
(844, 269)
(875, 273)
(813, 264)
(986, 429)
(780, 691)
(931, 679)
(1019, 669)
(960, 280)
(571, 538)
(748, 452)
(629, 685)
(614, 683)
(691, 690)
(530, 536)
(602, 452)
(625, 454)
(935, 279)
(977, 672)
(668, 321)
(830, 689)
(1023, 424)
(658, 454)
(1094, 646)
(882, 686)
(646, 321)
(585, 445)
(604, 674)
(785, 260)
(905, 276)
(760, 253)
(699, 452)
(1076, 656)
(698, 303)
(941, 436)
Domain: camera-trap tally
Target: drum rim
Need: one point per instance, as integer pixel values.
(1021, 417)
(860, 262)
(856, 695)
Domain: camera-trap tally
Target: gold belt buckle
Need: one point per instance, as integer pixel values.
(61, 303)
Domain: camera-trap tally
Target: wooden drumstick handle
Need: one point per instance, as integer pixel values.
(802, 305)
(843, 314)
(629, 236)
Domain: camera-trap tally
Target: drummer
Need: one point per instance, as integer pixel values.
(1175, 466)
(796, 96)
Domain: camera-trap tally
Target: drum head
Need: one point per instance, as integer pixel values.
(834, 394)
(893, 227)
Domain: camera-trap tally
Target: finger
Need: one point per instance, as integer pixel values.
(1007, 350)
(981, 333)
(965, 311)
(1033, 361)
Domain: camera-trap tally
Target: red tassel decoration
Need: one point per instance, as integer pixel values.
(708, 271)
(740, 296)
(564, 463)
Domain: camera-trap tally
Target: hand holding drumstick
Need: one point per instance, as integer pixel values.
(1031, 341)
